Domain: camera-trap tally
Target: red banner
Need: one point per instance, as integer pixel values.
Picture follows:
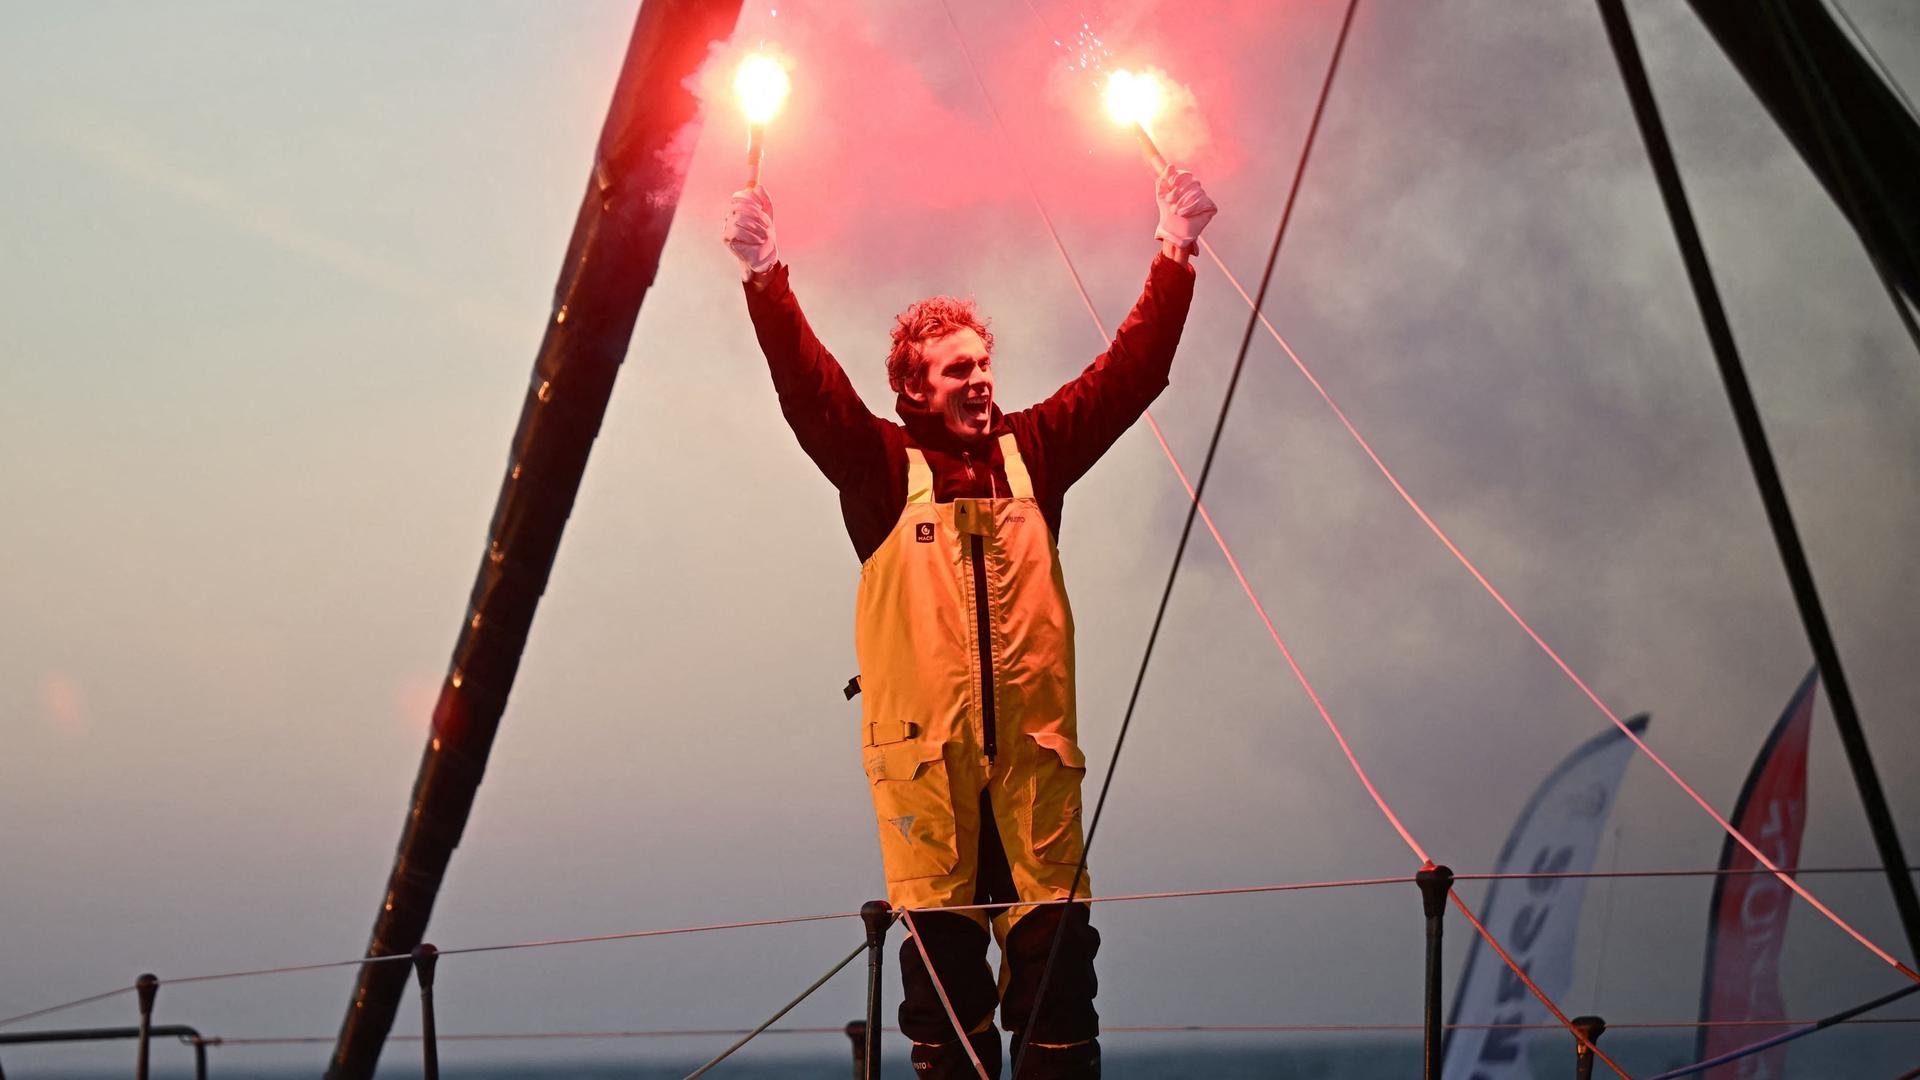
(1749, 911)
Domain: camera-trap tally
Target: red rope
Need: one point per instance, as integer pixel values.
(1460, 556)
(1261, 610)
(965, 1043)
(1526, 979)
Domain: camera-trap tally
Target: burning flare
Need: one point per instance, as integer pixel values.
(1134, 99)
(762, 84)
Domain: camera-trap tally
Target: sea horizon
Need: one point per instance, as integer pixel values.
(1866, 1052)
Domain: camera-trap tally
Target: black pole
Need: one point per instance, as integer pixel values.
(146, 1031)
(1753, 437)
(425, 956)
(857, 1034)
(1435, 882)
(877, 915)
(148, 987)
(1590, 1028)
(632, 190)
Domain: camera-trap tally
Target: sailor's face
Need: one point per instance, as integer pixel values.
(959, 384)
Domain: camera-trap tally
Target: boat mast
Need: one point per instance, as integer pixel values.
(612, 259)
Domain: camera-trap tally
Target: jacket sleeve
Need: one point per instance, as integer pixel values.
(1083, 418)
(834, 426)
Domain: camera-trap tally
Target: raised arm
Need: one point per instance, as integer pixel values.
(1083, 418)
(834, 426)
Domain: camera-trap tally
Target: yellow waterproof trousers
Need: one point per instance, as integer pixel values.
(965, 643)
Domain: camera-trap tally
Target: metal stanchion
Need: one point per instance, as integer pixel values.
(857, 1034)
(424, 958)
(148, 987)
(1591, 1027)
(877, 915)
(1434, 882)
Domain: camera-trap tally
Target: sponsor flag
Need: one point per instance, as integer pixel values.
(1536, 919)
(1748, 914)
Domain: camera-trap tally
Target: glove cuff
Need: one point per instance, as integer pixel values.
(750, 267)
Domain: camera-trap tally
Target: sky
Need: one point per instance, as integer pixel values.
(273, 279)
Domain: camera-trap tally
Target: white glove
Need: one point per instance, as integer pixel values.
(749, 231)
(1185, 208)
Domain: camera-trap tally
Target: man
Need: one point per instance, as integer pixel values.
(963, 632)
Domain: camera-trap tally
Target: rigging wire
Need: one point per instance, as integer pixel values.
(1522, 875)
(636, 934)
(1766, 477)
(1788, 1036)
(1196, 493)
(65, 1005)
(1105, 1029)
(1352, 760)
(1243, 890)
(1487, 585)
(784, 1010)
(1541, 642)
(1520, 972)
(627, 935)
(1177, 894)
(292, 968)
(1198, 505)
(946, 1003)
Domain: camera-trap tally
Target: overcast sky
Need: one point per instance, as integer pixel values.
(273, 277)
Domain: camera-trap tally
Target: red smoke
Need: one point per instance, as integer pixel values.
(886, 142)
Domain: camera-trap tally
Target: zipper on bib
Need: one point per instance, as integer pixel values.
(983, 624)
(984, 629)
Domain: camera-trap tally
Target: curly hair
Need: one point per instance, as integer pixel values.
(928, 320)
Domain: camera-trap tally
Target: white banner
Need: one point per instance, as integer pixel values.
(1536, 920)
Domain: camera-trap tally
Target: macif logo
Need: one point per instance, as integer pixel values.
(923, 532)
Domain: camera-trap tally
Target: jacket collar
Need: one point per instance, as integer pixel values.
(929, 431)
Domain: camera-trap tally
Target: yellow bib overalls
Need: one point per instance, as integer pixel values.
(965, 643)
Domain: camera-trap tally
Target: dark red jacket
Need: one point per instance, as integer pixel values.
(1059, 439)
